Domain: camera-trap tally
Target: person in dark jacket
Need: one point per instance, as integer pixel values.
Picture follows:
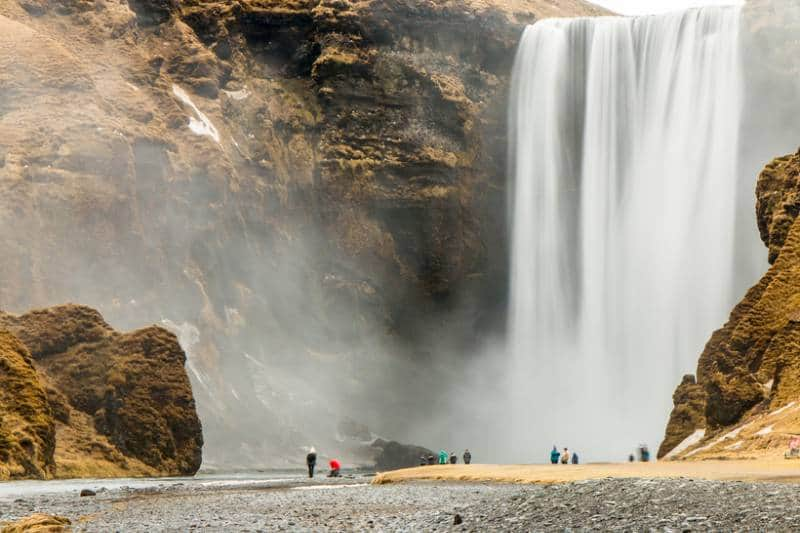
(555, 455)
(453, 458)
(467, 457)
(431, 459)
(311, 461)
(575, 459)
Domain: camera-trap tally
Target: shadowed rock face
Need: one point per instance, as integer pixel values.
(751, 365)
(295, 178)
(120, 402)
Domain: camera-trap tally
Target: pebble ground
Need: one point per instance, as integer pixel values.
(352, 505)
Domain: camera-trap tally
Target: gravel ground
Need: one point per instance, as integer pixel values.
(618, 504)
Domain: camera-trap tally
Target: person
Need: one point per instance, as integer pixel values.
(453, 458)
(431, 459)
(565, 457)
(554, 455)
(423, 460)
(575, 459)
(631, 458)
(644, 453)
(443, 457)
(467, 457)
(311, 461)
(335, 468)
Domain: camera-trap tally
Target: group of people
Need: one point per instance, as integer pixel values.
(445, 458)
(564, 457)
(311, 462)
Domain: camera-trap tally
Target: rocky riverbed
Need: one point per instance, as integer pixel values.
(353, 504)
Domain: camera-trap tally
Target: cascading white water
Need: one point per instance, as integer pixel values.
(624, 137)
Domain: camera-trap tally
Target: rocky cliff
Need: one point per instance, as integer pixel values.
(744, 399)
(82, 400)
(302, 189)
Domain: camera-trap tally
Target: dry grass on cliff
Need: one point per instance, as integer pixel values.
(26, 425)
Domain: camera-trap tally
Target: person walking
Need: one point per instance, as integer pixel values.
(554, 455)
(453, 458)
(565, 457)
(575, 459)
(467, 457)
(311, 461)
(443, 457)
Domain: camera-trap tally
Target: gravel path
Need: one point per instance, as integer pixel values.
(346, 505)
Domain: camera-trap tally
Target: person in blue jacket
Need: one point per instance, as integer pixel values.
(555, 455)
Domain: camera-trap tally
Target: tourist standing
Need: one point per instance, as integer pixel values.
(443, 457)
(453, 458)
(467, 457)
(554, 455)
(575, 459)
(311, 461)
(565, 457)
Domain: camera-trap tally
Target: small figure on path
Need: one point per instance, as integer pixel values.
(453, 458)
(467, 457)
(311, 461)
(631, 458)
(565, 457)
(554, 455)
(335, 468)
(644, 453)
(443, 457)
(423, 460)
(431, 459)
(575, 459)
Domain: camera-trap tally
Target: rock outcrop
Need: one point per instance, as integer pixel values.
(84, 400)
(298, 182)
(749, 373)
(27, 428)
(393, 455)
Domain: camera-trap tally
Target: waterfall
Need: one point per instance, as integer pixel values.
(624, 135)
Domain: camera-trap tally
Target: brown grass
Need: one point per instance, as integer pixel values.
(38, 523)
(765, 469)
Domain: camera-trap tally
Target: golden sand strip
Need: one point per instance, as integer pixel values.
(767, 469)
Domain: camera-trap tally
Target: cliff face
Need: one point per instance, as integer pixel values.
(84, 400)
(294, 185)
(748, 377)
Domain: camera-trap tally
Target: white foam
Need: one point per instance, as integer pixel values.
(200, 123)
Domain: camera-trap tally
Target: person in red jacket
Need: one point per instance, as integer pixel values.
(335, 468)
